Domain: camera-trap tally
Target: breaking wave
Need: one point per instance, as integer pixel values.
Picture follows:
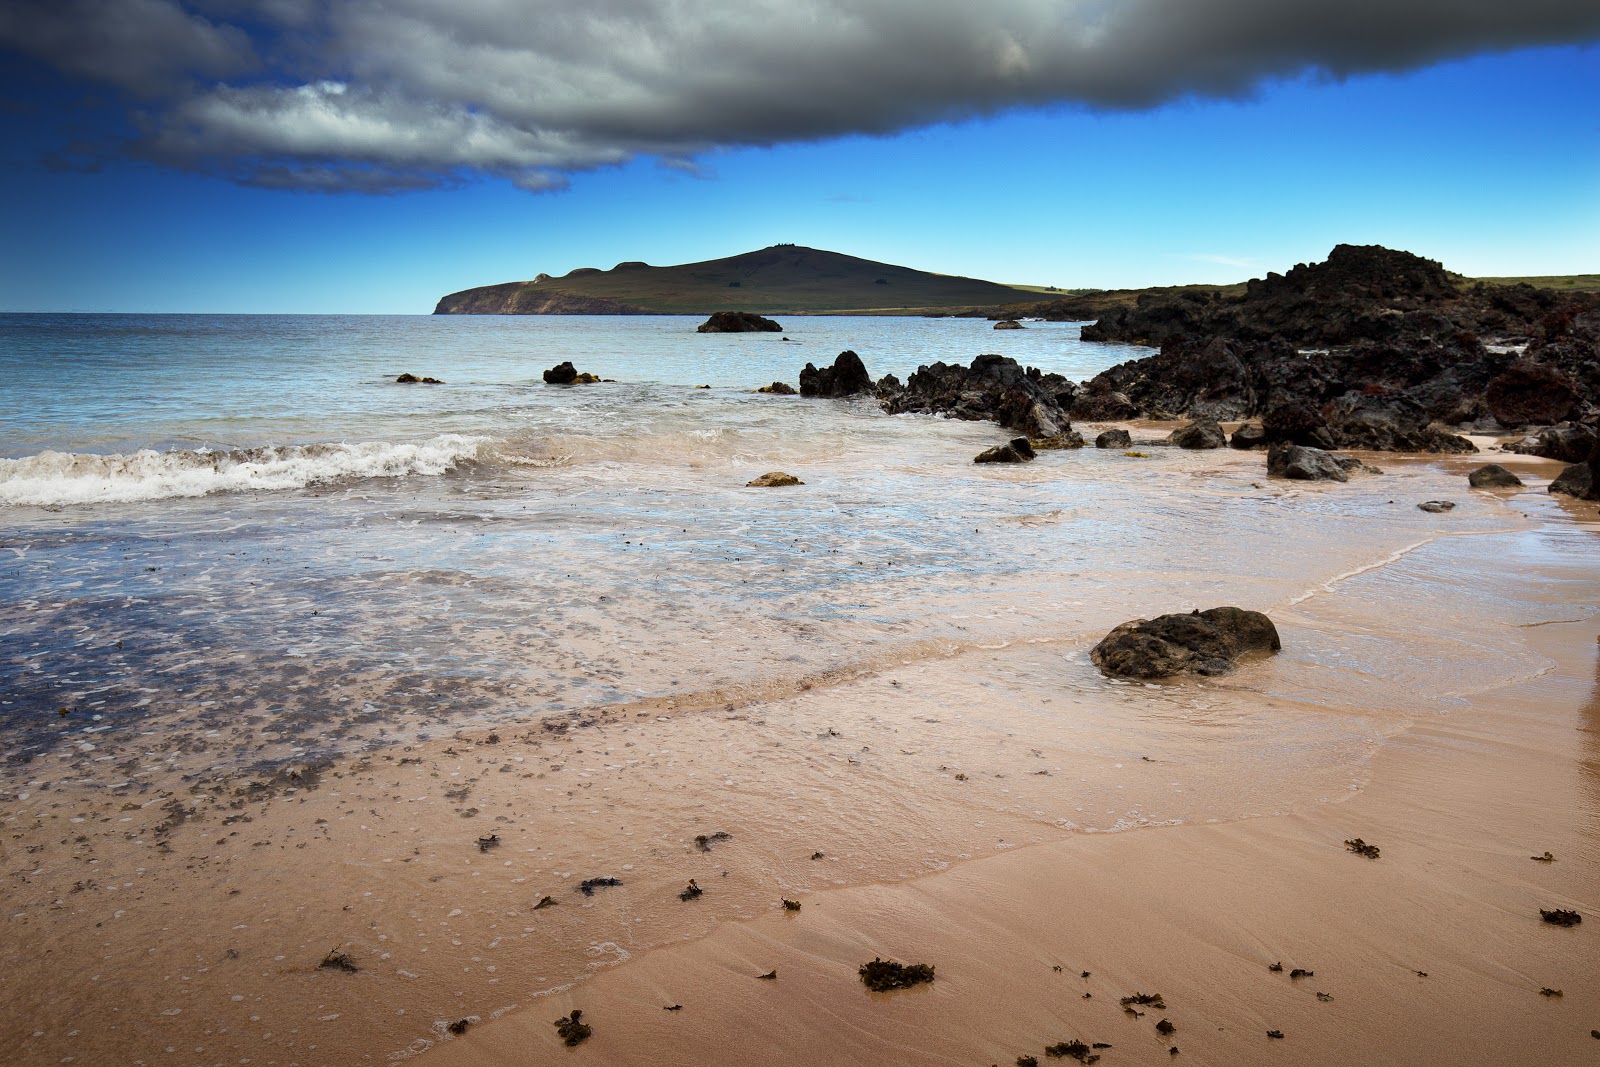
(53, 478)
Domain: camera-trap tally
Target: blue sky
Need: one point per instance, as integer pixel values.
(1489, 163)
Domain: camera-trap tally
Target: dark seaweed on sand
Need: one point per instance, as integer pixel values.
(459, 1027)
(1152, 999)
(571, 1029)
(1361, 848)
(1301, 972)
(790, 905)
(1164, 1028)
(704, 841)
(691, 892)
(589, 885)
(1560, 917)
(1027, 1061)
(1071, 1049)
(880, 976)
(339, 961)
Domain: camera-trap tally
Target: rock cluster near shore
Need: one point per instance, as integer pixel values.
(1402, 356)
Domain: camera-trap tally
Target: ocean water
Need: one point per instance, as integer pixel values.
(234, 542)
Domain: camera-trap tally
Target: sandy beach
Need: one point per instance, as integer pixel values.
(994, 808)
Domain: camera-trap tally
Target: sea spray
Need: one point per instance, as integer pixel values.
(60, 478)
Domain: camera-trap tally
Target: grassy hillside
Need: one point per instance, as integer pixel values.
(783, 279)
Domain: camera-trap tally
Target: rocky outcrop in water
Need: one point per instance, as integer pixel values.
(773, 480)
(412, 379)
(738, 322)
(1567, 443)
(1009, 324)
(567, 374)
(1017, 450)
(780, 388)
(1203, 642)
(847, 377)
(997, 389)
(1114, 439)
(1398, 355)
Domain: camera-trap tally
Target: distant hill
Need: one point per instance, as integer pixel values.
(781, 280)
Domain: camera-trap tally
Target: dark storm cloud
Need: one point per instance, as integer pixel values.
(417, 90)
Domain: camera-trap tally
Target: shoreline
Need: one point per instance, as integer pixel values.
(1433, 953)
(194, 918)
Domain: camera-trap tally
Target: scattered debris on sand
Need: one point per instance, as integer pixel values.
(1074, 1049)
(704, 841)
(880, 976)
(572, 1029)
(1560, 917)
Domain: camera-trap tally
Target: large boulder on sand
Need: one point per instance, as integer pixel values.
(1493, 476)
(1569, 444)
(1117, 438)
(1528, 393)
(1305, 464)
(847, 377)
(738, 322)
(1203, 642)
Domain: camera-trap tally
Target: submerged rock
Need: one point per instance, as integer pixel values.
(847, 377)
(773, 480)
(1437, 507)
(1009, 324)
(1493, 476)
(738, 322)
(779, 388)
(412, 379)
(1017, 450)
(1202, 642)
(1114, 439)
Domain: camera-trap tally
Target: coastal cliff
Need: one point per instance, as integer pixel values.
(781, 279)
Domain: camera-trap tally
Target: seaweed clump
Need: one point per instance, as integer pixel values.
(692, 891)
(1145, 999)
(1361, 848)
(338, 961)
(704, 841)
(589, 885)
(572, 1028)
(1560, 917)
(880, 976)
(1074, 1049)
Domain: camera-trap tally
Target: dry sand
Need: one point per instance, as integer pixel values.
(959, 796)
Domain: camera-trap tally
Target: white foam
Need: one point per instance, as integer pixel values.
(54, 478)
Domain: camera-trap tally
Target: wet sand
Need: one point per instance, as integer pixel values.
(994, 808)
